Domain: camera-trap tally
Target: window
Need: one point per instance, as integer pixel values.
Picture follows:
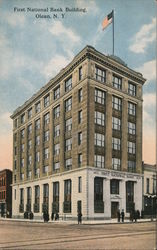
(37, 124)
(99, 139)
(15, 137)
(22, 133)
(154, 184)
(99, 161)
(45, 169)
(29, 113)
(99, 96)
(131, 89)
(29, 129)
(37, 140)
(15, 194)
(37, 107)
(15, 123)
(22, 148)
(68, 84)
(147, 185)
(37, 172)
(21, 196)
(46, 100)
(29, 174)
(29, 195)
(68, 144)
(68, 163)
(131, 108)
(99, 118)
(79, 160)
(29, 160)
(79, 184)
(29, 144)
(98, 195)
(15, 178)
(56, 191)
(46, 193)
(131, 128)
(56, 149)
(80, 96)
(22, 118)
(116, 143)
(117, 82)
(46, 135)
(37, 156)
(100, 74)
(46, 153)
(68, 104)
(37, 194)
(57, 130)
(79, 138)
(14, 165)
(15, 150)
(129, 196)
(22, 176)
(56, 112)
(116, 123)
(57, 93)
(116, 103)
(80, 73)
(67, 190)
(114, 186)
(22, 162)
(131, 166)
(131, 147)
(56, 165)
(46, 118)
(116, 163)
(80, 116)
(68, 124)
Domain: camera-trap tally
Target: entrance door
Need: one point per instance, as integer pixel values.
(114, 209)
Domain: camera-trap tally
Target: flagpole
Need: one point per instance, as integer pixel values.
(113, 31)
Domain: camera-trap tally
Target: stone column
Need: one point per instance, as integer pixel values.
(108, 139)
(33, 198)
(107, 198)
(139, 137)
(25, 198)
(61, 196)
(138, 194)
(41, 198)
(50, 198)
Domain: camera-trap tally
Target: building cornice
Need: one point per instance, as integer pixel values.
(87, 53)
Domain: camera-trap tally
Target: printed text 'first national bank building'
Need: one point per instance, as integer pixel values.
(77, 143)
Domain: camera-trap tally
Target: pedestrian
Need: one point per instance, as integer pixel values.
(57, 216)
(79, 216)
(122, 215)
(135, 215)
(52, 216)
(138, 214)
(118, 215)
(131, 216)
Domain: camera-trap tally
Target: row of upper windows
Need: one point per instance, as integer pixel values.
(99, 162)
(2, 182)
(100, 75)
(46, 99)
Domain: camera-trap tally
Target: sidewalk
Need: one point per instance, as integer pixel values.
(85, 222)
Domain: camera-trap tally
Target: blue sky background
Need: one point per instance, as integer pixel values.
(33, 50)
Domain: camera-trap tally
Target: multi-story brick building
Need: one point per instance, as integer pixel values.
(5, 193)
(78, 141)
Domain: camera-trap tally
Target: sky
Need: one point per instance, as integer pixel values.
(34, 49)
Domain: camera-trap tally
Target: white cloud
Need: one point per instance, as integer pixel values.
(55, 65)
(59, 30)
(148, 69)
(15, 19)
(144, 37)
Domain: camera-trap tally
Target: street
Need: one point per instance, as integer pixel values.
(31, 235)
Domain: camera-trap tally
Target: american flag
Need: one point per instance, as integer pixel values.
(107, 20)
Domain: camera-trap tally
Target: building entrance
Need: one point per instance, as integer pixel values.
(114, 209)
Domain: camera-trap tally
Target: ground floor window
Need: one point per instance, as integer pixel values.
(55, 204)
(67, 196)
(98, 195)
(45, 197)
(129, 196)
(114, 186)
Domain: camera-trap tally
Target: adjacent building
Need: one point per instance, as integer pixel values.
(5, 193)
(150, 189)
(77, 143)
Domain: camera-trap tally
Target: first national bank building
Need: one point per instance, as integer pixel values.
(77, 142)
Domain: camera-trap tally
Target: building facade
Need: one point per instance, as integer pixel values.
(5, 193)
(78, 141)
(150, 189)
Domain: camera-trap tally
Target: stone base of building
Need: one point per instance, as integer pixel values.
(97, 193)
